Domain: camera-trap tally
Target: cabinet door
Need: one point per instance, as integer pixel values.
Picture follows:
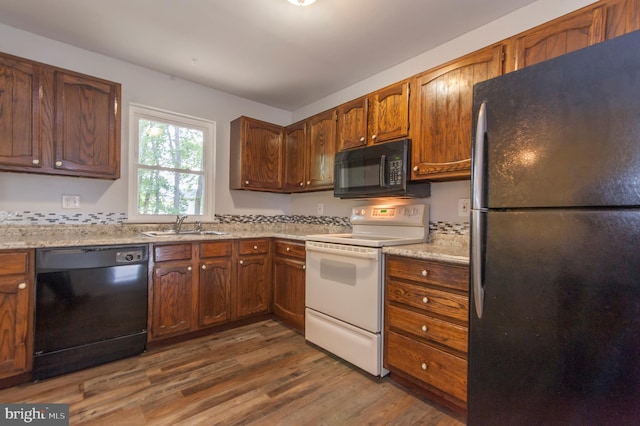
(87, 137)
(352, 123)
(572, 32)
(252, 285)
(295, 153)
(20, 145)
(389, 113)
(288, 290)
(261, 155)
(214, 293)
(442, 115)
(321, 132)
(172, 299)
(15, 350)
(623, 17)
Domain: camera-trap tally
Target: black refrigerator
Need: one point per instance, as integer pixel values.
(554, 327)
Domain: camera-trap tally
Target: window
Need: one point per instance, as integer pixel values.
(171, 165)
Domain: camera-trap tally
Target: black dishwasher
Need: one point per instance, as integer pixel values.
(91, 307)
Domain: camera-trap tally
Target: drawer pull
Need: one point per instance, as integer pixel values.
(189, 268)
(204, 266)
(22, 286)
(424, 365)
(242, 262)
(255, 247)
(425, 299)
(288, 248)
(304, 266)
(424, 273)
(425, 328)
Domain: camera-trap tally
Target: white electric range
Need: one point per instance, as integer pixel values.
(344, 281)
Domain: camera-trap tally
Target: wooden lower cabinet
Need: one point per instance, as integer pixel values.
(253, 286)
(426, 327)
(289, 282)
(214, 284)
(16, 312)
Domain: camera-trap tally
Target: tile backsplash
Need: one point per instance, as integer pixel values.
(22, 218)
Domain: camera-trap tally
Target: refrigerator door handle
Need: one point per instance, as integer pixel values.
(478, 158)
(476, 261)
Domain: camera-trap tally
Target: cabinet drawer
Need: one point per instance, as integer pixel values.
(253, 246)
(429, 300)
(164, 253)
(426, 272)
(428, 364)
(425, 327)
(289, 248)
(14, 263)
(216, 249)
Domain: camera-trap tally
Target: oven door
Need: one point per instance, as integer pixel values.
(345, 282)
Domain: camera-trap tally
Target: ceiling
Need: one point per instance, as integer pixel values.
(268, 51)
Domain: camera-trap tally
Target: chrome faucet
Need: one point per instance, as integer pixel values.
(178, 225)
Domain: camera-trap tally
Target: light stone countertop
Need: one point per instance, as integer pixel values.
(442, 247)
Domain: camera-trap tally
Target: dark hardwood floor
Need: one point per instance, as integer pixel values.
(259, 374)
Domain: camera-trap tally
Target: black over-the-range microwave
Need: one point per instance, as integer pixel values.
(381, 170)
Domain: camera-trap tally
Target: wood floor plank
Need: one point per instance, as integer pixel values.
(259, 374)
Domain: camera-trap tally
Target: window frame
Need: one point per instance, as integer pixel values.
(136, 112)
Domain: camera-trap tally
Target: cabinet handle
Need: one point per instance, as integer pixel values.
(425, 299)
(301, 183)
(242, 262)
(35, 161)
(189, 268)
(255, 247)
(288, 248)
(58, 163)
(415, 168)
(204, 266)
(304, 266)
(373, 137)
(424, 366)
(246, 182)
(425, 328)
(362, 139)
(425, 273)
(308, 182)
(22, 286)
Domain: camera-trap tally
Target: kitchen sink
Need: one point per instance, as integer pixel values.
(171, 232)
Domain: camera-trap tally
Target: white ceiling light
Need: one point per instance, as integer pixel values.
(302, 2)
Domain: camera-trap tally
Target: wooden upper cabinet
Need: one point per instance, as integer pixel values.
(321, 136)
(19, 114)
(622, 17)
(295, 157)
(256, 155)
(574, 31)
(57, 122)
(389, 113)
(442, 115)
(352, 123)
(87, 137)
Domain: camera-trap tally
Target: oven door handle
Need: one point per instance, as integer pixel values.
(346, 251)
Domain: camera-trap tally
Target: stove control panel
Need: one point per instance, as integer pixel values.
(410, 214)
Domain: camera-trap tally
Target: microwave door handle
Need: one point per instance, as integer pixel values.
(383, 167)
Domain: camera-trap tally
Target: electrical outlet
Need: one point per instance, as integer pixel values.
(320, 209)
(463, 207)
(70, 201)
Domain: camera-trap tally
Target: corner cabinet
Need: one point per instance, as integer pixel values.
(321, 136)
(426, 327)
(16, 312)
(289, 282)
(55, 121)
(256, 154)
(442, 115)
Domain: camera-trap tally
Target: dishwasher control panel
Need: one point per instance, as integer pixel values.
(129, 256)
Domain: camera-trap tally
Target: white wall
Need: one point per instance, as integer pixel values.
(20, 192)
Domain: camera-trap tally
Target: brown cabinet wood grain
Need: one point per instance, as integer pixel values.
(59, 122)
(16, 312)
(214, 287)
(253, 284)
(289, 282)
(256, 154)
(574, 31)
(321, 136)
(426, 326)
(442, 115)
(352, 123)
(295, 155)
(172, 299)
(389, 113)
